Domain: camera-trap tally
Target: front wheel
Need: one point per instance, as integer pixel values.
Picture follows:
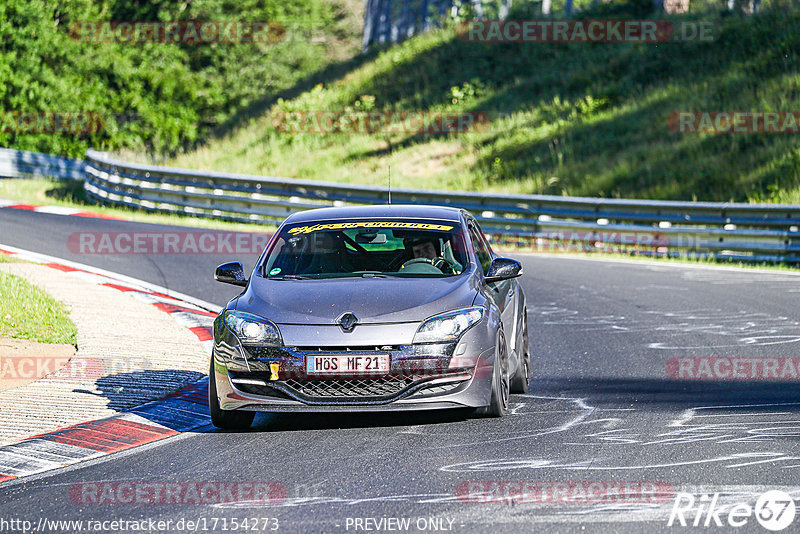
(519, 384)
(500, 383)
(227, 419)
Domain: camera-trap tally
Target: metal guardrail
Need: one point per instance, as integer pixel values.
(23, 164)
(755, 232)
(761, 232)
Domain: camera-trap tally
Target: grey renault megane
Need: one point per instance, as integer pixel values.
(394, 307)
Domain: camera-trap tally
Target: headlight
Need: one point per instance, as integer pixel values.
(250, 328)
(449, 326)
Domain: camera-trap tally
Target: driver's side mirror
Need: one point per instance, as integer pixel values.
(231, 273)
(503, 269)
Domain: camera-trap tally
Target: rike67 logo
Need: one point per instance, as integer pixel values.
(774, 510)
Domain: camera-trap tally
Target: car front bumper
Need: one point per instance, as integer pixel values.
(421, 377)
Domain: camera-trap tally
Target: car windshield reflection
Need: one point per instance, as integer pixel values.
(370, 248)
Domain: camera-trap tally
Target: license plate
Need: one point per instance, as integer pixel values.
(348, 364)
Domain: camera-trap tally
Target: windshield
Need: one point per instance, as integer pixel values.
(367, 248)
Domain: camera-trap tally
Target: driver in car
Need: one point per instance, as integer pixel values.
(424, 249)
(428, 248)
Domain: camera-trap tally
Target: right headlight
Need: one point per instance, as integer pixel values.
(251, 328)
(448, 327)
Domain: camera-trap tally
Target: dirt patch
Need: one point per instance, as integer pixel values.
(434, 158)
(23, 361)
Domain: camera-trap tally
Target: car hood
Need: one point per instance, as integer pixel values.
(372, 300)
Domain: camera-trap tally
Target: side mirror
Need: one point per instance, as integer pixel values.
(231, 273)
(503, 269)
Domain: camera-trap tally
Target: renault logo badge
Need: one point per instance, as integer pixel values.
(348, 321)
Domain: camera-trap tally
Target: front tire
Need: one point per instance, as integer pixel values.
(519, 384)
(226, 419)
(501, 386)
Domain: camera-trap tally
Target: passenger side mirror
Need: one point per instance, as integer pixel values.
(231, 273)
(503, 269)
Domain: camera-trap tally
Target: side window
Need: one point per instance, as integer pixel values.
(481, 249)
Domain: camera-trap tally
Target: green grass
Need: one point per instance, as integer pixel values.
(70, 194)
(27, 312)
(568, 119)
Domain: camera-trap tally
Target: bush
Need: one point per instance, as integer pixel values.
(152, 96)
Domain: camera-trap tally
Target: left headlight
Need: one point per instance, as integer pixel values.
(250, 328)
(448, 327)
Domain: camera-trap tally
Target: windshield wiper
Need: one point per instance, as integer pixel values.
(289, 277)
(373, 274)
(364, 274)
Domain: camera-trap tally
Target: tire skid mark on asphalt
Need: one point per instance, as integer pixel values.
(726, 431)
(681, 431)
(517, 411)
(506, 464)
(515, 407)
(736, 329)
(606, 436)
(181, 411)
(422, 498)
(586, 411)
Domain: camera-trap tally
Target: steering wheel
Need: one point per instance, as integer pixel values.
(439, 262)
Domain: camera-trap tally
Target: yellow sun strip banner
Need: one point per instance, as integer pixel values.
(369, 224)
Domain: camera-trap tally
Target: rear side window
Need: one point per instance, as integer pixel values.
(481, 248)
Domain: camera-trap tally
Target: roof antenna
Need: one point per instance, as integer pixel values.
(390, 184)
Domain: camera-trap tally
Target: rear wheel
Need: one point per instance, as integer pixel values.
(519, 384)
(501, 385)
(227, 419)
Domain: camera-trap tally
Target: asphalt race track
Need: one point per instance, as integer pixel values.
(612, 411)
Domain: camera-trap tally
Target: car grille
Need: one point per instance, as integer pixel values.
(374, 388)
(333, 390)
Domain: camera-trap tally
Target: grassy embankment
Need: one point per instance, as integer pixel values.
(572, 119)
